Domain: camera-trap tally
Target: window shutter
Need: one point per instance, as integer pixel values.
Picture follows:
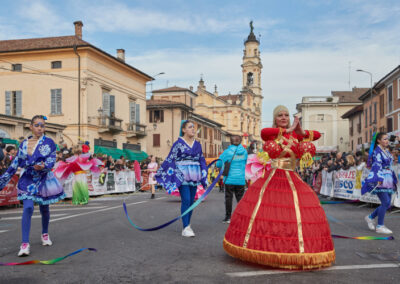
(59, 100)
(8, 103)
(137, 113)
(112, 104)
(132, 108)
(53, 101)
(137, 117)
(106, 103)
(156, 140)
(18, 99)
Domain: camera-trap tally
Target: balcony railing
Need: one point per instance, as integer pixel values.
(110, 124)
(136, 129)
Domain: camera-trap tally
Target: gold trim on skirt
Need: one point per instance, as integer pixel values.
(300, 261)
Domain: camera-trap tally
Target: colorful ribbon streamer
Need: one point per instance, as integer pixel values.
(51, 261)
(194, 205)
(364, 238)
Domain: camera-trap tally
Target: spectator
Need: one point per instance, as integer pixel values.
(235, 180)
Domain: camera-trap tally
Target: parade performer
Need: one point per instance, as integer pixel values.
(78, 165)
(152, 169)
(279, 222)
(184, 168)
(36, 157)
(381, 181)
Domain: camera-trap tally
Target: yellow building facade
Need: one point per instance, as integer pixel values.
(238, 113)
(97, 96)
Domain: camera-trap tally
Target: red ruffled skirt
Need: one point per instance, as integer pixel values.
(280, 223)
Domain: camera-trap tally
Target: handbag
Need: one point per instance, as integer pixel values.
(227, 165)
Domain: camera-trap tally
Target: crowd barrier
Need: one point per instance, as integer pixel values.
(346, 184)
(113, 182)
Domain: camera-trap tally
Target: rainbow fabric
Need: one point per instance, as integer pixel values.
(51, 261)
(364, 238)
(194, 205)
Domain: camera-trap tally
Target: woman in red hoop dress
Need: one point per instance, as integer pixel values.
(279, 221)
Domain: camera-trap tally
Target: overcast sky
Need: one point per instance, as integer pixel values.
(306, 46)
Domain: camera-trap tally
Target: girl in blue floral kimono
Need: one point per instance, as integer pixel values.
(184, 168)
(381, 181)
(37, 183)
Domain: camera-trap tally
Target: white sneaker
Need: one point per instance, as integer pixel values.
(24, 249)
(370, 222)
(383, 230)
(46, 240)
(188, 232)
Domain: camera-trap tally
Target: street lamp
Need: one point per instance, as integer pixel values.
(370, 75)
(151, 82)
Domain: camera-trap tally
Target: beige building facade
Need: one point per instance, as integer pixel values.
(165, 111)
(97, 96)
(324, 114)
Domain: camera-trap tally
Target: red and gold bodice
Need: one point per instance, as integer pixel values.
(279, 144)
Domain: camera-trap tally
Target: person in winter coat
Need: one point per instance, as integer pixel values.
(235, 180)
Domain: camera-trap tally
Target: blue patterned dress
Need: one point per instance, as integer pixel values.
(39, 186)
(381, 171)
(184, 165)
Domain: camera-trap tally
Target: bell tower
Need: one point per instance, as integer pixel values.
(251, 66)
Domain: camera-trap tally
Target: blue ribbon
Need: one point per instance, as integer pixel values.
(194, 205)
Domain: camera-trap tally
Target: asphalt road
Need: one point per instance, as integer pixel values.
(126, 255)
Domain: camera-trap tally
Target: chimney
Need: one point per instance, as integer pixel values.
(121, 54)
(191, 88)
(78, 29)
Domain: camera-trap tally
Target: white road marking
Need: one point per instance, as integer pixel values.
(3, 231)
(55, 209)
(33, 217)
(95, 211)
(342, 267)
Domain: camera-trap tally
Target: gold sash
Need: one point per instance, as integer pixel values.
(288, 164)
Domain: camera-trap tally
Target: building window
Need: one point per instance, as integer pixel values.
(398, 121)
(156, 140)
(389, 124)
(366, 136)
(390, 98)
(56, 99)
(16, 67)
(375, 108)
(366, 117)
(398, 88)
(320, 117)
(14, 103)
(205, 132)
(370, 114)
(352, 145)
(199, 130)
(156, 116)
(382, 106)
(56, 65)
(191, 102)
(183, 115)
(108, 104)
